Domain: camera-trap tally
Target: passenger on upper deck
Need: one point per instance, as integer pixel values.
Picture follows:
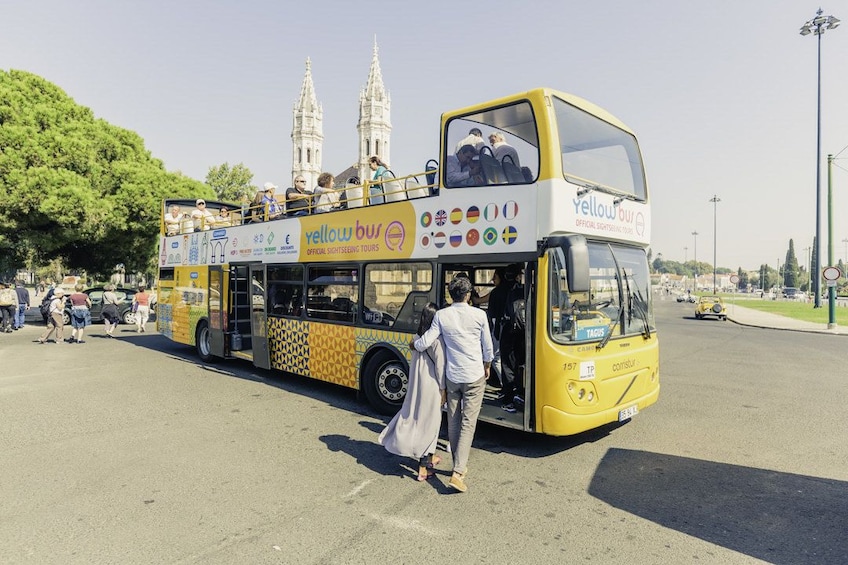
(275, 211)
(462, 169)
(223, 218)
(203, 218)
(376, 190)
(500, 148)
(474, 139)
(327, 198)
(173, 219)
(297, 198)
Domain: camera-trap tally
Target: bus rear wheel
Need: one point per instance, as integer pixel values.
(385, 382)
(203, 341)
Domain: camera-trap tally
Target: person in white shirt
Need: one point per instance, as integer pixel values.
(500, 148)
(468, 356)
(474, 139)
(203, 218)
(172, 220)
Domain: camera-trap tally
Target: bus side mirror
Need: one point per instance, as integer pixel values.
(577, 263)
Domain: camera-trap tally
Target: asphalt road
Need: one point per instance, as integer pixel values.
(131, 451)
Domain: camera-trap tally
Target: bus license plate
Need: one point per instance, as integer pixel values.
(627, 413)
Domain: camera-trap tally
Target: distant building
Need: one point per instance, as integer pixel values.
(374, 128)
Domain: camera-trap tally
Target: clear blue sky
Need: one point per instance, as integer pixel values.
(721, 94)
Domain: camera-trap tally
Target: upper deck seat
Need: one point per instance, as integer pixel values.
(414, 189)
(512, 171)
(491, 168)
(392, 188)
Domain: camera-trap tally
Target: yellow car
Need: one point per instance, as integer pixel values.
(710, 306)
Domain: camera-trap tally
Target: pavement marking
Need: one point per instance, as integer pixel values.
(359, 488)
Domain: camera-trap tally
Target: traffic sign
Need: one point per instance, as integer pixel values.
(831, 273)
(734, 279)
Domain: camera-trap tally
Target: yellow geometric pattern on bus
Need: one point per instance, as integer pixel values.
(332, 355)
(326, 352)
(367, 337)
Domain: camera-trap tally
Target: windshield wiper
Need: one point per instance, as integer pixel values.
(603, 342)
(635, 297)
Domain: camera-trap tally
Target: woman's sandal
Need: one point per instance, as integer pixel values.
(434, 461)
(425, 475)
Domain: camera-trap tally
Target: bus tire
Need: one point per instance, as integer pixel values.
(385, 382)
(203, 341)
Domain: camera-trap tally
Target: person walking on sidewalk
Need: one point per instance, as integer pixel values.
(141, 304)
(23, 305)
(55, 320)
(80, 314)
(8, 307)
(111, 316)
(468, 354)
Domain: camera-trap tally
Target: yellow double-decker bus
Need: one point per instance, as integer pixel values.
(554, 184)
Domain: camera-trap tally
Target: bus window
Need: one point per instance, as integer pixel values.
(387, 286)
(331, 293)
(285, 290)
(595, 152)
(507, 145)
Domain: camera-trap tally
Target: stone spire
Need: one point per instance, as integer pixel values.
(307, 132)
(374, 124)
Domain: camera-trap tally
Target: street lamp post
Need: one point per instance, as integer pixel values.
(845, 241)
(831, 289)
(695, 235)
(817, 26)
(715, 200)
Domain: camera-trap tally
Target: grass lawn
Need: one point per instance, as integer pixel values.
(791, 309)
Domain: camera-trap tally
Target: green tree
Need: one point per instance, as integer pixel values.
(790, 269)
(231, 184)
(76, 188)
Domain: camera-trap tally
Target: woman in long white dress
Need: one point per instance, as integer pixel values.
(414, 430)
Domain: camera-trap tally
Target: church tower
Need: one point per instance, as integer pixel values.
(307, 133)
(374, 126)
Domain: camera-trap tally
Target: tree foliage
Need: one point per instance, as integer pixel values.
(790, 267)
(231, 184)
(76, 187)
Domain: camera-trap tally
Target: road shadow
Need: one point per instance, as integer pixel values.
(778, 517)
(489, 437)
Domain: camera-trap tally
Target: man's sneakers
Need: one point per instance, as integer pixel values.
(510, 407)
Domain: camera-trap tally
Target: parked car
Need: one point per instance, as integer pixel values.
(790, 292)
(710, 306)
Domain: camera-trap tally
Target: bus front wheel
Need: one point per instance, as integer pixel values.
(203, 341)
(385, 381)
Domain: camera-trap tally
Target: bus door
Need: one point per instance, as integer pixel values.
(258, 317)
(239, 330)
(217, 312)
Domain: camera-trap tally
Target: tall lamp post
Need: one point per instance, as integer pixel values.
(817, 26)
(715, 200)
(695, 234)
(845, 241)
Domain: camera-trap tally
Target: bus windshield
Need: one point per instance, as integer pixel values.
(618, 303)
(598, 155)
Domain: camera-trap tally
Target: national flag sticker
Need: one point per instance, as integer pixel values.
(441, 218)
(426, 219)
(509, 235)
(510, 210)
(490, 236)
(473, 214)
(439, 240)
(456, 238)
(426, 240)
(472, 238)
(456, 216)
(490, 212)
